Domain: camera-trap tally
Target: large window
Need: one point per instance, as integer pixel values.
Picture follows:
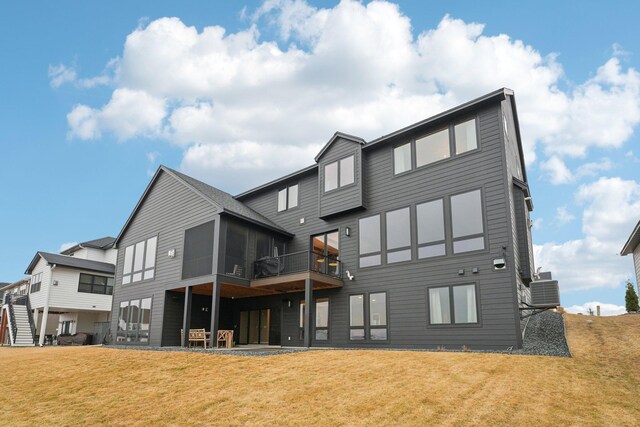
(236, 250)
(431, 238)
(467, 223)
(198, 251)
(322, 319)
(402, 158)
(369, 238)
(461, 137)
(140, 261)
(432, 148)
(464, 308)
(134, 319)
(288, 198)
(376, 323)
(339, 173)
(36, 282)
(465, 135)
(398, 235)
(326, 253)
(356, 317)
(95, 284)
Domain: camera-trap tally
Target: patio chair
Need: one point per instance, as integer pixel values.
(225, 337)
(196, 336)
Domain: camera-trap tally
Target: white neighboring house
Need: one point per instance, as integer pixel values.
(71, 292)
(633, 247)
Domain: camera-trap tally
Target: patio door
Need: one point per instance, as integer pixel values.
(325, 250)
(254, 326)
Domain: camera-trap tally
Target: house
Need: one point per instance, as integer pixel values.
(632, 246)
(13, 303)
(417, 239)
(71, 292)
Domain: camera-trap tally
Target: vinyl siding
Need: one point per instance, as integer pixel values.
(636, 264)
(407, 283)
(168, 210)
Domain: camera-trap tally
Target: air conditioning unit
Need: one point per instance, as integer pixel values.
(545, 293)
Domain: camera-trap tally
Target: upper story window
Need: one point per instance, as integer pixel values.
(95, 284)
(197, 259)
(435, 146)
(36, 282)
(467, 224)
(431, 238)
(288, 198)
(369, 241)
(398, 235)
(140, 261)
(339, 173)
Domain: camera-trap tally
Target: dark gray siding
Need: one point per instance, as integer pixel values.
(407, 283)
(347, 198)
(168, 210)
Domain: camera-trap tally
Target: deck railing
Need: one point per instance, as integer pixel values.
(297, 262)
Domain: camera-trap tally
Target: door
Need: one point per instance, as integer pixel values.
(254, 326)
(325, 250)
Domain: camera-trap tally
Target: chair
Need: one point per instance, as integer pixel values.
(196, 336)
(225, 337)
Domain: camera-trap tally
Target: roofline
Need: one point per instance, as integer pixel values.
(335, 136)
(635, 235)
(496, 94)
(516, 121)
(38, 255)
(276, 181)
(268, 227)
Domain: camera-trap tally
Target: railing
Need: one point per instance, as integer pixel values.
(24, 300)
(20, 300)
(297, 262)
(12, 316)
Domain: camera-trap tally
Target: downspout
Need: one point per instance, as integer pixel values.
(45, 312)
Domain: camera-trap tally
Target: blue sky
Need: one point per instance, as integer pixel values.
(91, 104)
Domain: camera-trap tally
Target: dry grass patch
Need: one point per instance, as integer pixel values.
(93, 385)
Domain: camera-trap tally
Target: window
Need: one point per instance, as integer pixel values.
(432, 148)
(378, 316)
(398, 235)
(140, 261)
(134, 318)
(95, 284)
(430, 219)
(465, 136)
(322, 319)
(301, 320)
(197, 259)
(236, 250)
(339, 173)
(288, 198)
(402, 158)
(369, 238)
(466, 222)
(464, 309)
(356, 317)
(36, 283)
(347, 171)
(325, 253)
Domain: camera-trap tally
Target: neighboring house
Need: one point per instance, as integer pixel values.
(633, 247)
(16, 292)
(71, 292)
(418, 239)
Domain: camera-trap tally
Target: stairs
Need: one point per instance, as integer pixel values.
(23, 337)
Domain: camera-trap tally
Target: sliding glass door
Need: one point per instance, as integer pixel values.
(325, 252)
(254, 326)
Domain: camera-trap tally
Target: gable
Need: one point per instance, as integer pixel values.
(340, 140)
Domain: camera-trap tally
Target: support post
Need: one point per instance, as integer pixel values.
(45, 311)
(186, 316)
(308, 293)
(215, 314)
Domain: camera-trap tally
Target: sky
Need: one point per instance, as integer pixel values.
(94, 96)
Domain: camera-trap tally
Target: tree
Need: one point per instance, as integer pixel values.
(631, 298)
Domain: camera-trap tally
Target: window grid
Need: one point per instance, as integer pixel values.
(36, 283)
(398, 239)
(139, 261)
(288, 198)
(94, 284)
(134, 318)
(447, 305)
(369, 258)
(340, 173)
(368, 322)
(322, 319)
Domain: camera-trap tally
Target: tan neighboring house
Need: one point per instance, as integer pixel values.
(633, 247)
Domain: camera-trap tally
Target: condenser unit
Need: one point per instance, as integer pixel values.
(545, 293)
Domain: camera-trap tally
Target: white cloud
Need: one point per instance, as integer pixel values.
(605, 308)
(563, 216)
(537, 223)
(556, 171)
(67, 245)
(355, 68)
(610, 212)
(152, 156)
(61, 74)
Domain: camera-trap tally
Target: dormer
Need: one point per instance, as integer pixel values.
(340, 175)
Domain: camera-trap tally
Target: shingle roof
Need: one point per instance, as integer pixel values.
(72, 262)
(101, 243)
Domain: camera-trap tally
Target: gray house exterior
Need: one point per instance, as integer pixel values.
(418, 239)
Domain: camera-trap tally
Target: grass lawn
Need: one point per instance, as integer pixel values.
(93, 385)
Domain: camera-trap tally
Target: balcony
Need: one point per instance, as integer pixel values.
(288, 272)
